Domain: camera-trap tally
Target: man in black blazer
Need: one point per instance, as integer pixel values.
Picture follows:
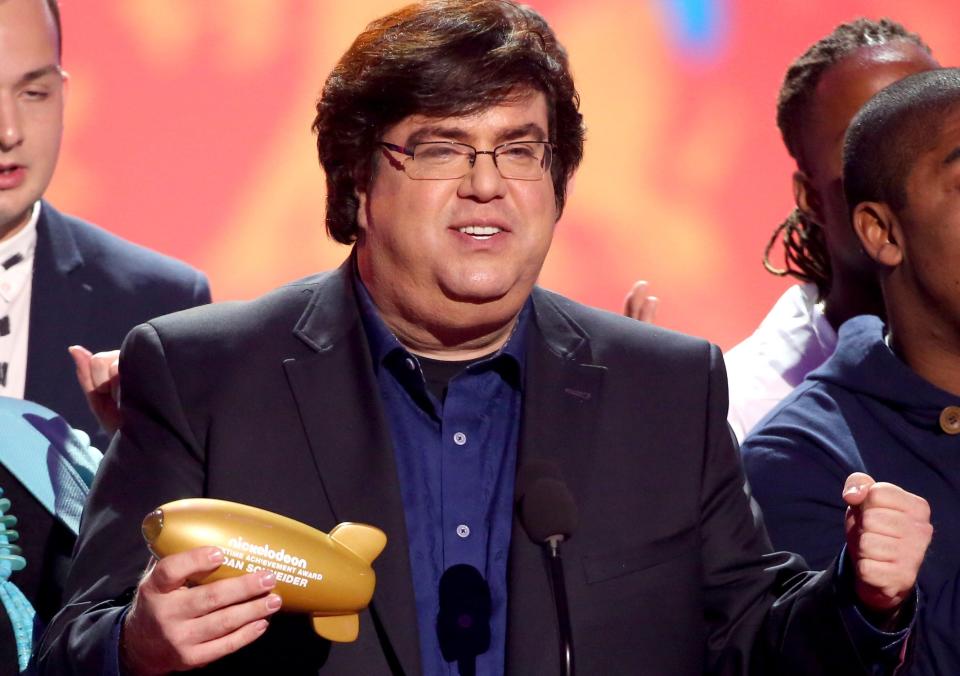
(63, 282)
(362, 394)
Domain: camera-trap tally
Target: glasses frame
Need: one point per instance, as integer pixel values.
(473, 158)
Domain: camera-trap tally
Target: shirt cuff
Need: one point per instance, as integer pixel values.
(881, 651)
(111, 662)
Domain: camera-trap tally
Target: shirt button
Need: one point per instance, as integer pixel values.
(463, 530)
(950, 420)
(411, 365)
(459, 438)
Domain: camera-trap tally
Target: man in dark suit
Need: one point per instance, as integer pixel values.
(62, 281)
(406, 388)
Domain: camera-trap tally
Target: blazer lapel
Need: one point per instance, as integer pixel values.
(561, 406)
(339, 404)
(59, 302)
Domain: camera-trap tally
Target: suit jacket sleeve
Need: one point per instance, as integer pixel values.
(154, 459)
(766, 614)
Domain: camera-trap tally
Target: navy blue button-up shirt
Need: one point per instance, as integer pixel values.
(456, 461)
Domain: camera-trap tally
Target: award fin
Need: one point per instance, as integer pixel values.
(339, 628)
(365, 541)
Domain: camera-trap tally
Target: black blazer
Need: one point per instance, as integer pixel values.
(90, 288)
(274, 403)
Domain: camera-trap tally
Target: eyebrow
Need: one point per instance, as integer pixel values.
(463, 136)
(38, 73)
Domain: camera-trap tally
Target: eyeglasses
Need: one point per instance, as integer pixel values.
(521, 160)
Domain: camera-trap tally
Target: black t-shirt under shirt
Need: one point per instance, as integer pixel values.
(439, 373)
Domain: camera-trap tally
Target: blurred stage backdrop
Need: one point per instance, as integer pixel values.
(188, 130)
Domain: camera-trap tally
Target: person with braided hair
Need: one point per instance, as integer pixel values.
(887, 401)
(822, 91)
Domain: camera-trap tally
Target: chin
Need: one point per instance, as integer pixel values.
(486, 292)
(486, 286)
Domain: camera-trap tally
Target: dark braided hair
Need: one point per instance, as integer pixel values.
(804, 243)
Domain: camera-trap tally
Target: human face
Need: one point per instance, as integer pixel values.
(841, 92)
(415, 253)
(31, 108)
(928, 273)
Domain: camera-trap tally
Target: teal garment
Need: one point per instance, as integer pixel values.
(54, 461)
(56, 464)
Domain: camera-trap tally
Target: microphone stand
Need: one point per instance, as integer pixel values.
(560, 597)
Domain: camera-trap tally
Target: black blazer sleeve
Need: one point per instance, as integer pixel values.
(765, 613)
(154, 459)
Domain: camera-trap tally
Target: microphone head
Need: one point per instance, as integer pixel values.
(546, 507)
(531, 472)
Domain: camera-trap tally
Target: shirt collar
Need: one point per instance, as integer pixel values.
(25, 241)
(384, 344)
(16, 258)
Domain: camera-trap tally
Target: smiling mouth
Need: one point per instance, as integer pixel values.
(480, 231)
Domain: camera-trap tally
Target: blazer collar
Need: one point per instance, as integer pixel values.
(59, 315)
(332, 311)
(56, 245)
(561, 412)
(346, 427)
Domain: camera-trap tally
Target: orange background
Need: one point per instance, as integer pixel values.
(188, 130)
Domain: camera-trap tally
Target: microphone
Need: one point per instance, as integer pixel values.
(549, 516)
(463, 622)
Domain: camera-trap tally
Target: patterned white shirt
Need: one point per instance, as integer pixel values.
(791, 341)
(16, 283)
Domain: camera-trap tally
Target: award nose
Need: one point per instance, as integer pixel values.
(152, 525)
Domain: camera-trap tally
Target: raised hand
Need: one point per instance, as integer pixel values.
(888, 531)
(639, 305)
(99, 378)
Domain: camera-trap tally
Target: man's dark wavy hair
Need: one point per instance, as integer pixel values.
(439, 58)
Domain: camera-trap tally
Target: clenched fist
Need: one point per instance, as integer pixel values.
(888, 531)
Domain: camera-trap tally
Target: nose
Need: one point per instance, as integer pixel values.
(11, 131)
(483, 182)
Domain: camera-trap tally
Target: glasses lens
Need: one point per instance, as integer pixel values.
(525, 160)
(440, 159)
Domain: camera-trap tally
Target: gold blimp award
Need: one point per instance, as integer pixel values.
(325, 575)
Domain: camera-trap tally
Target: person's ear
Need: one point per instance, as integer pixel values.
(806, 197)
(361, 196)
(568, 191)
(879, 231)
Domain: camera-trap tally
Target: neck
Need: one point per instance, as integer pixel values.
(929, 346)
(8, 230)
(852, 294)
(449, 343)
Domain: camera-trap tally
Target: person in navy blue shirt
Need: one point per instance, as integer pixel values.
(888, 401)
(413, 386)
